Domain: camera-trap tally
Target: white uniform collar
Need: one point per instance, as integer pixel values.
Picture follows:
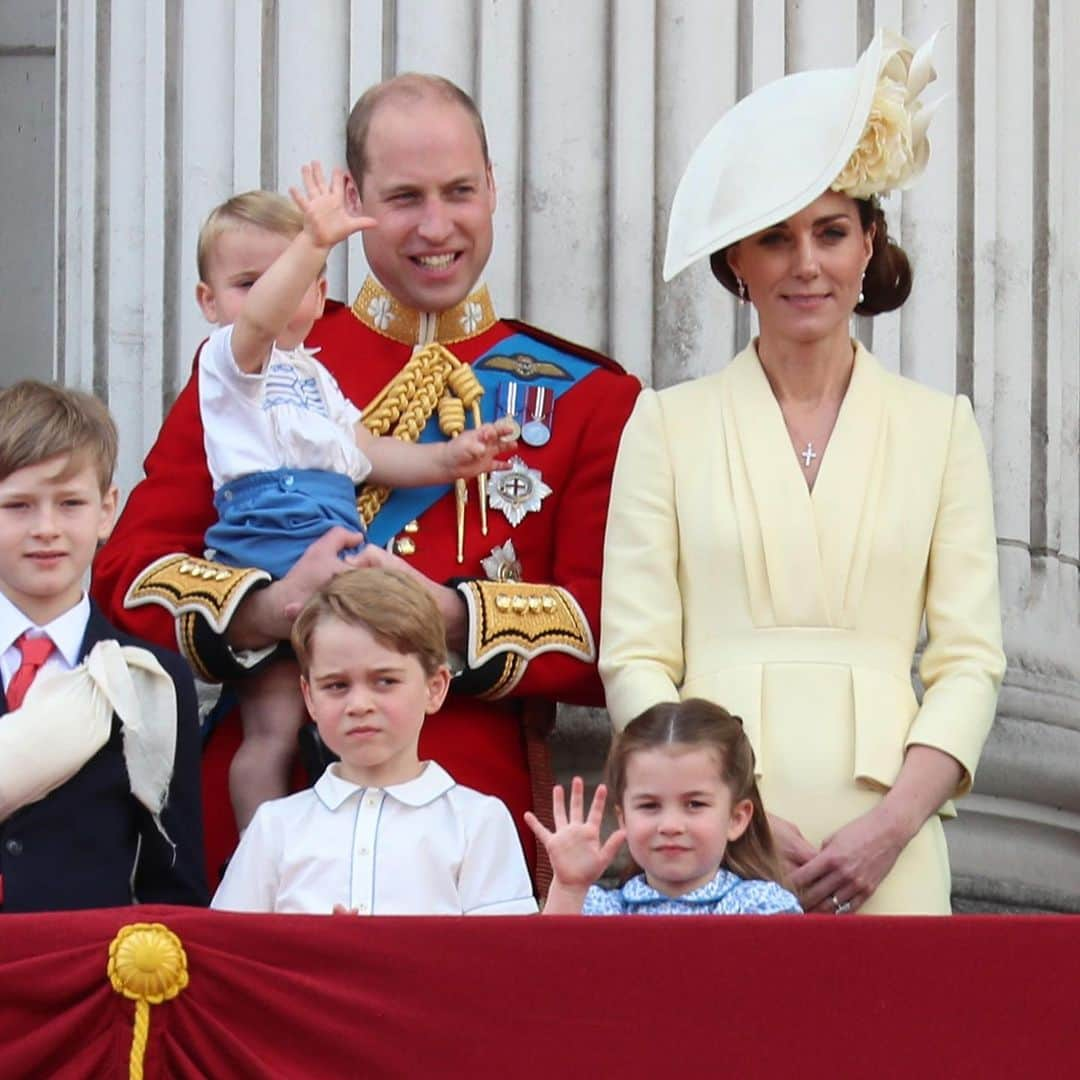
(333, 789)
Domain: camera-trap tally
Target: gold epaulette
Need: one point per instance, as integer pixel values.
(525, 620)
(184, 584)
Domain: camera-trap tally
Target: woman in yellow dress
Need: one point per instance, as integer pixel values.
(779, 531)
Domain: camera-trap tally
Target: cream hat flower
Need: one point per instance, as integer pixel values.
(894, 149)
(860, 130)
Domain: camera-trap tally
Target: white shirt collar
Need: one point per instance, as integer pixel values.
(66, 631)
(333, 789)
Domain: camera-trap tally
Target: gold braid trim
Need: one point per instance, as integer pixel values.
(378, 310)
(433, 379)
(526, 620)
(183, 583)
(513, 669)
(185, 638)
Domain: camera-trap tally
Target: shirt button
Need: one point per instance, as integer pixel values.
(13, 847)
(362, 908)
(372, 802)
(363, 851)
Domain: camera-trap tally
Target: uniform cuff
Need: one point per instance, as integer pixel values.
(203, 597)
(510, 623)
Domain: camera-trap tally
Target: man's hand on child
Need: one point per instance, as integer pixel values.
(477, 450)
(449, 601)
(577, 856)
(324, 558)
(327, 220)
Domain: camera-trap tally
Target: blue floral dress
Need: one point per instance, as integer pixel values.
(726, 894)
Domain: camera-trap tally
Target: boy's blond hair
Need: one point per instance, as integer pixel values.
(263, 209)
(40, 420)
(394, 608)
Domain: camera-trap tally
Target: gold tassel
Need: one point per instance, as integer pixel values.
(405, 405)
(148, 965)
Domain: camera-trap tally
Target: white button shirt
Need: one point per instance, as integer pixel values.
(67, 632)
(425, 847)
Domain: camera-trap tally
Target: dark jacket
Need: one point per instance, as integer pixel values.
(90, 843)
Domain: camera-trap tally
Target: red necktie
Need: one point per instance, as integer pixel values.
(34, 651)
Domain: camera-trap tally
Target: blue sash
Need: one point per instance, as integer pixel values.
(407, 504)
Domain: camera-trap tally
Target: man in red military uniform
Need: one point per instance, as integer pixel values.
(521, 600)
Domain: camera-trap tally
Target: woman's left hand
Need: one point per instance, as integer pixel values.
(853, 861)
(851, 864)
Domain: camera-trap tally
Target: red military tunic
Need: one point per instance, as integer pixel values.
(477, 736)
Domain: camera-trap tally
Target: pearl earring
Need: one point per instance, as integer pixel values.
(743, 295)
(862, 296)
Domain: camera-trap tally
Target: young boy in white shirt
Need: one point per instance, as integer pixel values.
(381, 832)
(99, 737)
(285, 448)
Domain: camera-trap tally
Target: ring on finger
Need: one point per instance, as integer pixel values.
(835, 904)
(844, 908)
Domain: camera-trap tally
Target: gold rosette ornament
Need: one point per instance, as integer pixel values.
(148, 965)
(894, 149)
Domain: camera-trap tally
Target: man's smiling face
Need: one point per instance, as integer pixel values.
(433, 196)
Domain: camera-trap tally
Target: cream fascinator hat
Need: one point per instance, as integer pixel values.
(860, 130)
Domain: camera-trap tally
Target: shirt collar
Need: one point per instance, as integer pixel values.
(638, 891)
(333, 789)
(66, 631)
(378, 309)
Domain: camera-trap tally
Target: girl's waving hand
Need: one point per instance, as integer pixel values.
(577, 855)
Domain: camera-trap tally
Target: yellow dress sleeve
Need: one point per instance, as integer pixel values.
(641, 611)
(963, 663)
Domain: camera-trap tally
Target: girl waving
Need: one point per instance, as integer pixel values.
(682, 777)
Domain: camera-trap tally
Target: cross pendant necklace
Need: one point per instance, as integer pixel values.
(808, 455)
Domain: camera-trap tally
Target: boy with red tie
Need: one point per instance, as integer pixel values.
(99, 750)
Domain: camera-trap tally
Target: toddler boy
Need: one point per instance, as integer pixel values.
(99, 747)
(381, 832)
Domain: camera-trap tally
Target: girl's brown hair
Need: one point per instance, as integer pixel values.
(698, 724)
(887, 281)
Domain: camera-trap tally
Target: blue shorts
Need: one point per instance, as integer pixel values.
(269, 519)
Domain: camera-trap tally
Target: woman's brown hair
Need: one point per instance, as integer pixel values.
(887, 281)
(698, 724)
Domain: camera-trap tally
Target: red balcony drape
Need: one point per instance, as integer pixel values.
(298, 996)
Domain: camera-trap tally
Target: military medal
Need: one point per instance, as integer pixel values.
(532, 408)
(517, 491)
(502, 564)
(539, 414)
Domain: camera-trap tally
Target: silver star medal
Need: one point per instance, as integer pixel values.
(517, 491)
(502, 564)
